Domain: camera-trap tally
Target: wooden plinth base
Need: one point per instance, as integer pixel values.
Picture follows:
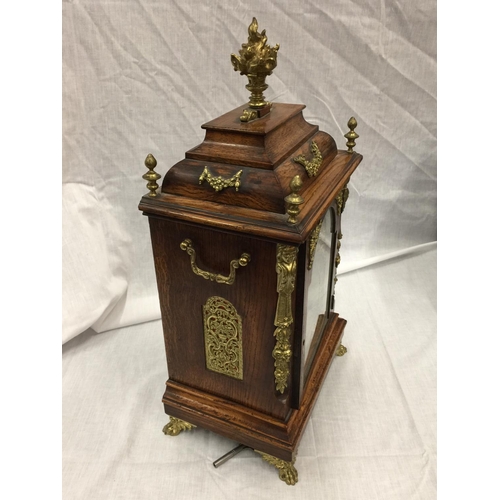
(247, 426)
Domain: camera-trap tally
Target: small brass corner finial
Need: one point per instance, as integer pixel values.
(151, 176)
(294, 200)
(351, 136)
(257, 61)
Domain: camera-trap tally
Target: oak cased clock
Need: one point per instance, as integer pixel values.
(246, 237)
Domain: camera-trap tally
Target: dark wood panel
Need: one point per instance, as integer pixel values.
(223, 225)
(183, 294)
(262, 143)
(280, 114)
(318, 197)
(259, 189)
(289, 168)
(262, 432)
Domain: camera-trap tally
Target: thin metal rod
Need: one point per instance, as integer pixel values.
(229, 455)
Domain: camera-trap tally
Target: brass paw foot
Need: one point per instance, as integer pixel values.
(341, 350)
(176, 426)
(287, 472)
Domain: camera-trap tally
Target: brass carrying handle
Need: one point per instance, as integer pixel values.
(187, 246)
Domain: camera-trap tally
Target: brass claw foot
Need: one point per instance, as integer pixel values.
(341, 350)
(287, 472)
(176, 426)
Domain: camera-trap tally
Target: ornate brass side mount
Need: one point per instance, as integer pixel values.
(187, 246)
(313, 242)
(312, 166)
(337, 259)
(286, 267)
(341, 199)
(256, 60)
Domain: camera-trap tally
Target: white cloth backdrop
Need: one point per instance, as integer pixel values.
(371, 436)
(141, 77)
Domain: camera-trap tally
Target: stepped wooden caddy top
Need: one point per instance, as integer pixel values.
(246, 236)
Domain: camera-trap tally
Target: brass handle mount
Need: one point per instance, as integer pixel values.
(187, 246)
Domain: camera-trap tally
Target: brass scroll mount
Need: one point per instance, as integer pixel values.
(219, 183)
(286, 269)
(341, 199)
(187, 246)
(312, 166)
(313, 242)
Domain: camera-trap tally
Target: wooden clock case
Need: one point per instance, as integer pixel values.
(221, 225)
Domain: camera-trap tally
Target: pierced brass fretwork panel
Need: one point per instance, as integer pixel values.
(223, 344)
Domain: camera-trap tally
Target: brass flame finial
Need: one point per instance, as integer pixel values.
(257, 61)
(151, 176)
(294, 200)
(351, 136)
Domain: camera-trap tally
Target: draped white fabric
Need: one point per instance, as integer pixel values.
(372, 433)
(141, 77)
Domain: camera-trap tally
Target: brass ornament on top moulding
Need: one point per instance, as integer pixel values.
(219, 183)
(286, 268)
(256, 60)
(223, 342)
(312, 166)
(249, 115)
(187, 246)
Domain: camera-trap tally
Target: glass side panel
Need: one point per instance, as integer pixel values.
(317, 295)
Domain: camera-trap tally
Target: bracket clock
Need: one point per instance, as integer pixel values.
(246, 236)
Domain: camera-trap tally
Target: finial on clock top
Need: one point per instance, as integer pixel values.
(151, 176)
(351, 136)
(256, 60)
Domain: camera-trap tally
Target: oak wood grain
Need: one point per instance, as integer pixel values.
(276, 436)
(223, 225)
(318, 196)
